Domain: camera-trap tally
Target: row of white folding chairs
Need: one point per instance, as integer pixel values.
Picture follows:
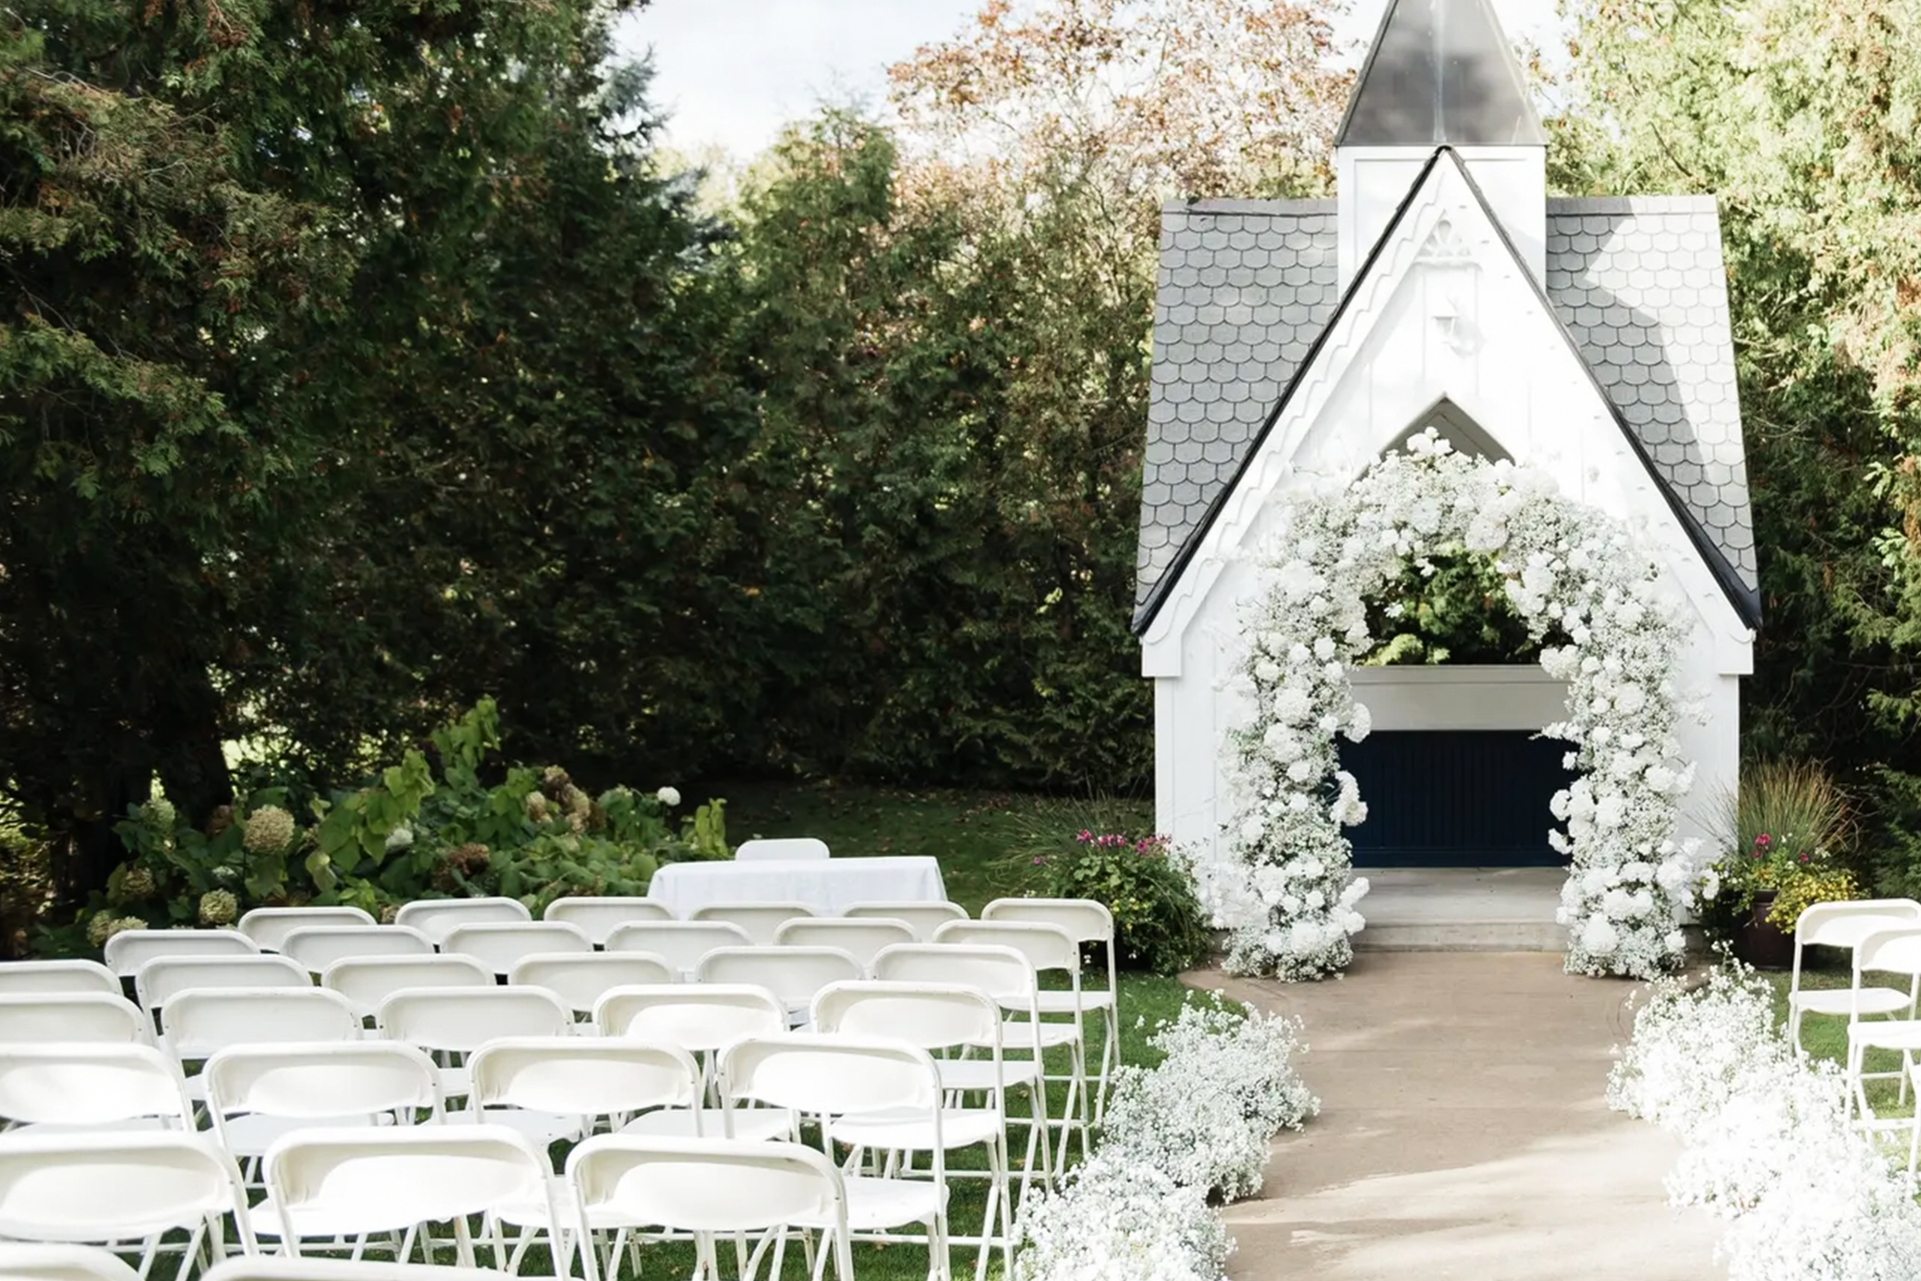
(570, 1079)
(20, 1261)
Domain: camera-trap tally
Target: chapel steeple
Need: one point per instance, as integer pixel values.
(1440, 73)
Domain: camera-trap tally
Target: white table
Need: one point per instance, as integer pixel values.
(826, 885)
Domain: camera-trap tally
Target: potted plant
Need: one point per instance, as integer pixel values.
(1779, 835)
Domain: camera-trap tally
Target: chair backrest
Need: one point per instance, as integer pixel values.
(793, 974)
(861, 939)
(164, 976)
(707, 1185)
(37, 1018)
(1844, 924)
(581, 980)
(1002, 973)
(200, 1022)
(319, 946)
(267, 1267)
(266, 926)
(695, 1017)
(1894, 950)
(934, 1016)
(760, 921)
(499, 945)
(62, 1263)
(582, 1076)
(1085, 920)
(389, 1177)
(118, 1186)
(781, 849)
(79, 1084)
(597, 917)
(463, 1019)
(321, 1080)
(831, 1075)
(128, 950)
(924, 917)
(435, 916)
(366, 981)
(1046, 947)
(25, 977)
(681, 943)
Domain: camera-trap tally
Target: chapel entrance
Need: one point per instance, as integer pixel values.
(1456, 797)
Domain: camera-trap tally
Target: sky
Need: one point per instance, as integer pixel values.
(732, 72)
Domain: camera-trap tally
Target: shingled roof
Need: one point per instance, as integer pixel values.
(1246, 287)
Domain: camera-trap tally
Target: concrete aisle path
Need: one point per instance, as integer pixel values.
(1463, 1133)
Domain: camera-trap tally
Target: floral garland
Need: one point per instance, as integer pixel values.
(1281, 879)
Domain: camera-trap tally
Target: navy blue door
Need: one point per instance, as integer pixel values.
(1456, 798)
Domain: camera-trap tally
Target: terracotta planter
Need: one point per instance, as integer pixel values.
(1764, 946)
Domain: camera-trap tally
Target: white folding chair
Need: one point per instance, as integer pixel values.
(1843, 925)
(837, 1077)
(924, 917)
(861, 939)
(552, 1088)
(582, 979)
(340, 1182)
(266, 926)
(697, 1019)
(199, 1023)
(269, 1268)
(164, 976)
(680, 943)
(709, 1187)
(1885, 951)
(1046, 947)
(84, 1017)
(257, 1093)
(597, 917)
(792, 974)
(61, 1087)
(121, 1187)
(62, 1263)
(781, 849)
(936, 1018)
(1085, 920)
(27, 977)
(760, 921)
(128, 950)
(1004, 976)
(319, 946)
(435, 916)
(366, 981)
(457, 1021)
(498, 945)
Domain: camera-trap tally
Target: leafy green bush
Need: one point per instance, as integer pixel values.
(407, 834)
(1158, 926)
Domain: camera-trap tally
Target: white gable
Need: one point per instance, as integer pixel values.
(1443, 309)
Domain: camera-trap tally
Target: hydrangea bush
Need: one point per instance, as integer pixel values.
(1196, 1123)
(1770, 1143)
(1281, 880)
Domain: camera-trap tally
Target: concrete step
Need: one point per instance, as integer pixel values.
(1463, 936)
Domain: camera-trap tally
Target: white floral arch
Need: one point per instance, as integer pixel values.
(1280, 878)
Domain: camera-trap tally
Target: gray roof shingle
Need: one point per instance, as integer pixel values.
(1638, 282)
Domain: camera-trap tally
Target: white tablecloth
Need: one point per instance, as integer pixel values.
(826, 885)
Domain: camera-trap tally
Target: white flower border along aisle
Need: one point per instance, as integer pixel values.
(1280, 878)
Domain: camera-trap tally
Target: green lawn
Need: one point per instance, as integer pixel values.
(975, 835)
(1826, 1037)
